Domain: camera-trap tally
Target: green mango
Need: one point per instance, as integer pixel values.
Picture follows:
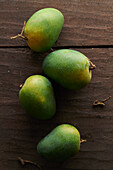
(37, 97)
(60, 144)
(43, 29)
(69, 68)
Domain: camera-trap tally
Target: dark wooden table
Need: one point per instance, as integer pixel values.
(88, 28)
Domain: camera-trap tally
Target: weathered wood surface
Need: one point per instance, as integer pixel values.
(87, 22)
(19, 133)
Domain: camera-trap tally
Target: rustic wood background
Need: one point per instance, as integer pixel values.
(88, 28)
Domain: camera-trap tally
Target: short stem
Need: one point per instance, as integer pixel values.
(92, 66)
(21, 85)
(83, 140)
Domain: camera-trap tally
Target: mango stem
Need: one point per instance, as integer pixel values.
(82, 140)
(21, 85)
(23, 162)
(101, 102)
(20, 35)
(92, 66)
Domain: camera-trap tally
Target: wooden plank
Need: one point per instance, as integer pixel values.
(87, 22)
(19, 133)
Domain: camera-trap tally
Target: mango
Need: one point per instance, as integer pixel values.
(70, 68)
(60, 144)
(37, 97)
(43, 29)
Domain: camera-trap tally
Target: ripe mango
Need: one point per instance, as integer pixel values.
(43, 29)
(60, 144)
(69, 68)
(37, 97)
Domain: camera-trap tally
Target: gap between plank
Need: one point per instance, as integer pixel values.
(66, 47)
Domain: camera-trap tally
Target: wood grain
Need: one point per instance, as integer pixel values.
(19, 133)
(87, 22)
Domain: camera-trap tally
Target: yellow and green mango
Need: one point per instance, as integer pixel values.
(60, 144)
(37, 97)
(70, 68)
(43, 28)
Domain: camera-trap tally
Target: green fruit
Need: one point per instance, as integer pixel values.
(43, 28)
(69, 68)
(60, 144)
(37, 97)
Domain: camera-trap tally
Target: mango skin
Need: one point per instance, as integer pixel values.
(60, 144)
(69, 68)
(43, 29)
(37, 97)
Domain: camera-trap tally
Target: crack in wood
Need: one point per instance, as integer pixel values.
(66, 47)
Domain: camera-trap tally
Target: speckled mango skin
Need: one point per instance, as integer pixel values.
(43, 29)
(68, 67)
(60, 144)
(37, 97)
